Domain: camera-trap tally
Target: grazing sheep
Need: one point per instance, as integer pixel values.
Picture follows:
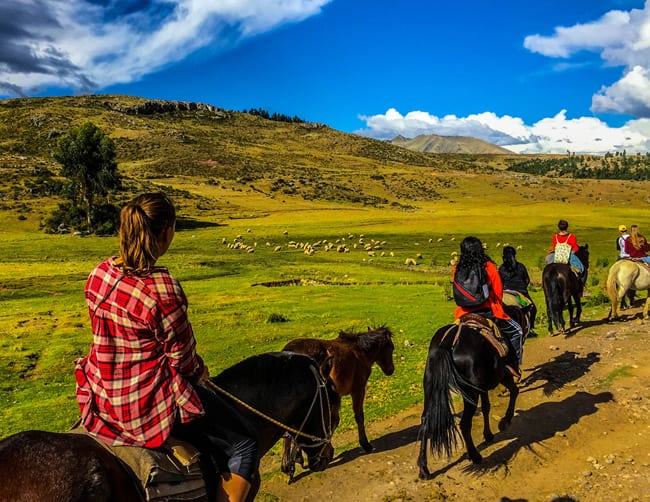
(277, 248)
(410, 261)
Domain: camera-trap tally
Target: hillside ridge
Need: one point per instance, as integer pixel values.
(432, 143)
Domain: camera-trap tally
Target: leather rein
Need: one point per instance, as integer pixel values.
(320, 395)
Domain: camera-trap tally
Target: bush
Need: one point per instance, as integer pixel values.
(106, 219)
(67, 216)
(277, 318)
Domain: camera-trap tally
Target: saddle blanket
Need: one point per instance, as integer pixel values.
(487, 328)
(167, 474)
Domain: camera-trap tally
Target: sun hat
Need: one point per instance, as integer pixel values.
(622, 228)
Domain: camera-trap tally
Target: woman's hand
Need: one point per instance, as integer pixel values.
(205, 376)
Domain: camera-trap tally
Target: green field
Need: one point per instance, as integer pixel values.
(44, 324)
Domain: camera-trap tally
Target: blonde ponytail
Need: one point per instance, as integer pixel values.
(142, 221)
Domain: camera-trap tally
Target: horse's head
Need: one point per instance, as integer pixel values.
(583, 254)
(321, 422)
(385, 358)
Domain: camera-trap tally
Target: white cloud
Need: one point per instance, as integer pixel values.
(621, 38)
(612, 30)
(550, 135)
(78, 44)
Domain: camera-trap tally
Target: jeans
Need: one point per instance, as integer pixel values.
(512, 330)
(575, 262)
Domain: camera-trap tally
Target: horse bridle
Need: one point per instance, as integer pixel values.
(321, 385)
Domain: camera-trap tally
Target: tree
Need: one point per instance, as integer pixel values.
(88, 159)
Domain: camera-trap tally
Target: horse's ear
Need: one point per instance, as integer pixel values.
(326, 366)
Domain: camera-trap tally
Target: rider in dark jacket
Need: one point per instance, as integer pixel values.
(514, 276)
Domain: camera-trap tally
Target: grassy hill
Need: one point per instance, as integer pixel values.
(331, 216)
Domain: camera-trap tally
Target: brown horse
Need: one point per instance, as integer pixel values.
(289, 389)
(624, 276)
(563, 288)
(353, 356)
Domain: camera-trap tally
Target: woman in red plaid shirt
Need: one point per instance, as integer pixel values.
(140, 381)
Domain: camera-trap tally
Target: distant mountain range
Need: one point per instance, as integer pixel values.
(431, 143)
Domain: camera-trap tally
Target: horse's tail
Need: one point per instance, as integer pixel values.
(612, 289)
(556, 297)
(440, 378)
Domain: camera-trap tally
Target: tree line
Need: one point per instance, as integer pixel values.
(278, 117)
(617, 166)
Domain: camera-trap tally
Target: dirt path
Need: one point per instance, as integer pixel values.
(581, 432)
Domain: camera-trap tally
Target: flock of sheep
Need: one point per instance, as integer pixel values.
(372, 247)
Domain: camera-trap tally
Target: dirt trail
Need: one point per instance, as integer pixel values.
(581, 432)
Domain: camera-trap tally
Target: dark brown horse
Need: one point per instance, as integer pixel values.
(63, 467)
(353, 356)
(462, 359)
(563, 288)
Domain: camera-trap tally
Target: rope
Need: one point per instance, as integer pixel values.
(214, 386)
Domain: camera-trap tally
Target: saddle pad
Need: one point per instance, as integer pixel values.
(488, 329)
(515, 298)
(162, 476)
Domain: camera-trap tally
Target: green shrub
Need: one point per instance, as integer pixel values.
(277, 318)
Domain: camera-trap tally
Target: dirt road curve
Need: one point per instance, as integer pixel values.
(581, 432)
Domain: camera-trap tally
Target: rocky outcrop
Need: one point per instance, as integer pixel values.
(160, 107)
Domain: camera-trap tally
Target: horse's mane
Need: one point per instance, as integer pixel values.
(367, 340)
(264, 367)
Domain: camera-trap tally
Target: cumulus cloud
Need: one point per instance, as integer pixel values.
(89, 44)
(557, 134)
(621, 38)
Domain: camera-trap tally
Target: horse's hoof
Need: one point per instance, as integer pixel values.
(476, 459)
(367, 447)
(424, 474)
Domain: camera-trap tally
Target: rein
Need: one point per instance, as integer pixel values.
(320, 385)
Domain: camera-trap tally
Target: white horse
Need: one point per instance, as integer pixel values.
(623, 276)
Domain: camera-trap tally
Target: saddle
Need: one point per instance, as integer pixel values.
(486, 327)
(641, 262)
(166, 474)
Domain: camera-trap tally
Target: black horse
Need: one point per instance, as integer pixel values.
(289, 388)
(563, 288)
(464, 360)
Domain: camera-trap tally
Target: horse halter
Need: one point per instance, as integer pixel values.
(321, 396)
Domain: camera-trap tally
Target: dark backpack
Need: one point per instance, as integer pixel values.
(470, 286)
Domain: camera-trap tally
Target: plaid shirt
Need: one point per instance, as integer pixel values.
(136, 378)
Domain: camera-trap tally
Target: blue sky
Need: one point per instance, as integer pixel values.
(538, 77)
